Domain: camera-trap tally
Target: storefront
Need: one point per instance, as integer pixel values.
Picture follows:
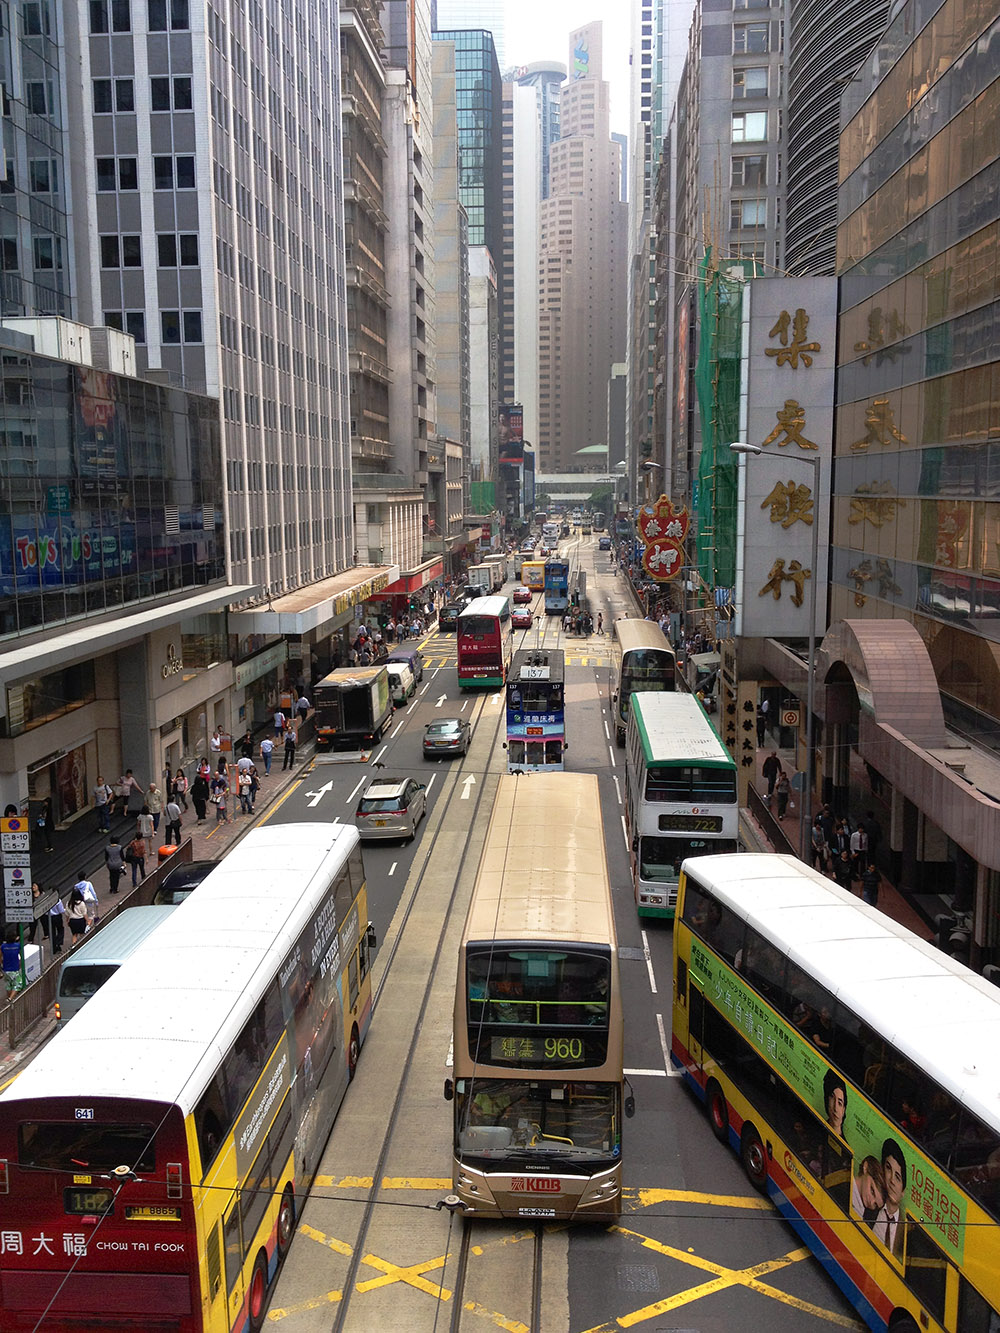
(409, 593)
(261, 678)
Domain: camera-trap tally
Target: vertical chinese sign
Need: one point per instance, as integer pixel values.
(663, 531)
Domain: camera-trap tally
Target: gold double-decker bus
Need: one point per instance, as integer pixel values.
(539, 1089)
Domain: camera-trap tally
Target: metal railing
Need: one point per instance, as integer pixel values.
(772, 827)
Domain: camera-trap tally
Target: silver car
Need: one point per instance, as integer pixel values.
(449, 735)
(391, 808)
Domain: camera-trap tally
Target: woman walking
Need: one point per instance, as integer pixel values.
(77, 912)
(114, 859)
(179, 789)
(135, 855)
(145, 828)
(199, 795)
(782, 791)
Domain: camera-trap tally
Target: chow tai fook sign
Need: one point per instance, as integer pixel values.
(663, 531)
(786, 408)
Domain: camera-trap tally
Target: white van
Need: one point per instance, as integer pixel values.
(401, 682)
(101, 955)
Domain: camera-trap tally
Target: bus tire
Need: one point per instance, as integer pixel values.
(286, 1221)
(353, 1051)
(753, 1157)
(717, 1110)
(257, 1293)
(620, 739)
(902, 1322)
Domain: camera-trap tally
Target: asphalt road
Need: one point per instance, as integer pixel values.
(696, 1248)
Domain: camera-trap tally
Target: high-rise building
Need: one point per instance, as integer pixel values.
(522, 172)
(581, 274)
(546, 78)
(489, 15)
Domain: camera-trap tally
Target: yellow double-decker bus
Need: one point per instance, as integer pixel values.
(533, 574)
(853, 1067)
(539, 1089)
(155, 1155)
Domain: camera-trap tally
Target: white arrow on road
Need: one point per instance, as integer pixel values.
(317, 796)
(441, 701)
(467, 786)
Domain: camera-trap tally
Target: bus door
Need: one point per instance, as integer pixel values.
(689, 1017)
(233, 1233)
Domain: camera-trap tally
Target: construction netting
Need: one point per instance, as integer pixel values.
(717, 383)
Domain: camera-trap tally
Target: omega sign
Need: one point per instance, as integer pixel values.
(173, 664)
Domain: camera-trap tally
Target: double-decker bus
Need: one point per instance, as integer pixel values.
(155, 1154)
(536, 716)
(533, 574)
(598, 520)
(680, 795)
(853, 1067)
(642, 659)
(539, 1088)
(550, 531)
(485, 643)
(556, 587)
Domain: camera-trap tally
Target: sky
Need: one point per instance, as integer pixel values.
(539, 30)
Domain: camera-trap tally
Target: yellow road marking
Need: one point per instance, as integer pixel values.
(412, 1275)
(388, 1182)
(313, 1303)
(494, 1317)
(648, 1197)
(331, 1243)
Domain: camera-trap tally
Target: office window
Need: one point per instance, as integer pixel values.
(8, 254)
(750, 170)
(35, 17)
(749, 126)
(43, 174)
(748, 213)
(110, 255)
(8, 182)
(185, 173)
(160, 10)
(131, 252)
(128, 173)
(192, 326)
(131, 321)
(751, 38)
(182, 94)
(750, 82)
(117, 11)
(161, 90)
(102, 97)
(124, 95)
(35, 98)
(163, 173)
(106, 177)
(47, 252)
(170, 326)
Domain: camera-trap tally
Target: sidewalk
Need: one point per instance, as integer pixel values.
(82, 847)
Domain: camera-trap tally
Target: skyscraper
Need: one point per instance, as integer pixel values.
(490, 15)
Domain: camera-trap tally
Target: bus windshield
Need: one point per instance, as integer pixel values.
(85, 1145)
(477, 627)
(519, 1119)
(660, 858)
(650, 665)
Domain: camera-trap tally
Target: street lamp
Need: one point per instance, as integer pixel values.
(805, 809)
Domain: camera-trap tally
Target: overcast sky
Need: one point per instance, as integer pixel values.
(539, 30)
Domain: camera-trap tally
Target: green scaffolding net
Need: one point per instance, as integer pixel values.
(717, 383)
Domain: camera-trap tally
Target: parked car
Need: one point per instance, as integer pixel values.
(523, 595)
(448, 735)
(391, 808)
(521, 617)
(181, 880)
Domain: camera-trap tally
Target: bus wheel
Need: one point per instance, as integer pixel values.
(754, 1158)
(286, 1221)
(620, 739)
(901, 1322)
(353, 1051)
(718, 1111)
(257, 1296)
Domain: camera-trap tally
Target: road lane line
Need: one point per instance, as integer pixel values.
(357, 788)
(625, 837)
(645, 952)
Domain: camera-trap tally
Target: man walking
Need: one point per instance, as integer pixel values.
(173, 813)
(102, 804)
(266, 751)
(57, 925)
(870, 881)
(154, 799)
(770, 769)
(114, 859)
(290, 739)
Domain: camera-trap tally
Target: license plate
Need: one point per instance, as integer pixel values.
(536, 1212)
(379, 823)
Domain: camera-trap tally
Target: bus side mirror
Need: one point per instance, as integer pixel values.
(371, 936)
(503, 745)
(629, 1105)
(449, 1090)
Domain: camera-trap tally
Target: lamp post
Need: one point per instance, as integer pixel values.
(805, 808)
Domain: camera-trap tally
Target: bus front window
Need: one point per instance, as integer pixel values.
(499, 1118)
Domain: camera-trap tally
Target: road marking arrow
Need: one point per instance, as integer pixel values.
(317, 796)
(467, 786)
(441, 701)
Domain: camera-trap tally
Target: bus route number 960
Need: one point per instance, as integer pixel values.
(563, 1048)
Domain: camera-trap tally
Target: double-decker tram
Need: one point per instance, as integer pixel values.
(854, 1068)
(539, 1090)
(680, 795)
(556, 587)
(485, 643)
(536, 710)
(642, 659)
(155, 1154)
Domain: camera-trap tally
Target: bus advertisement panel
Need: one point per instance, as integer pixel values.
(536, 719)
(485, 643)
(642, 659)
(680, 795)
(834, 1051)
(178, 1119)
(533, 574)
(556, 587)
(538, 1039)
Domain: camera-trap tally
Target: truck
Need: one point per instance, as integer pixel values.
(480, 578)
(353, 708)
(498, 563)
(556, 587)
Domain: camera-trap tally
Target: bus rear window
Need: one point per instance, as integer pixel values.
(85, 1145)
(86, 979)
(477, 627)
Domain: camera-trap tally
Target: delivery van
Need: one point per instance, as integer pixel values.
(101, 955)
(401, 683)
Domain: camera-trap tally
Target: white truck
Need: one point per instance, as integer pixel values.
(480, 580)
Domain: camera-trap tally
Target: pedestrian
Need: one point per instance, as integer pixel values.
(600, 622)
(390, 629)
(89, 894)
(873, 831)
(761, 721)
(114, 859)
(244, 784)
(11, 952)
(76, 909)
(770, 769)
(254, 787)
(179, 788)
(144, 828)
(199, 795)
(266, 751)
(303, 705)
(43, 823)
(244, 764)
(841, 838)
(174, 817)
(104, 799)
(870, 881)
(782, 791)
(246, 745)
(765, 708)
(125, 787)
(135, 856)
(220, 790)
(843, 870)
(279, 722)
(154, 800)
(290, 740)
(859, 850)
(36, 893)
(818, 848)
(57, 924)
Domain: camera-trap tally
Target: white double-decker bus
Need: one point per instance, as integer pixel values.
(680, 795)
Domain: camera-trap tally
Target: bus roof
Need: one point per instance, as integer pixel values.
(158, 1028)
(640, 634)
(545, 834)
(123, 933)
(542, 664)
(930, 1007)
(675, 729)
(485, 606)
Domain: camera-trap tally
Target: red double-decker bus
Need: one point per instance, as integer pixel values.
(485, 643)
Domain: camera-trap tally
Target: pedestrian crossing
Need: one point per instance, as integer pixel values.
(439, 649)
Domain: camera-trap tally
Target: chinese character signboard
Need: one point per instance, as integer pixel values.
(663, 531)
(790, 329)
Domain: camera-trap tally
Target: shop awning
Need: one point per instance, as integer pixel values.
(317, 605)
(415, 579)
